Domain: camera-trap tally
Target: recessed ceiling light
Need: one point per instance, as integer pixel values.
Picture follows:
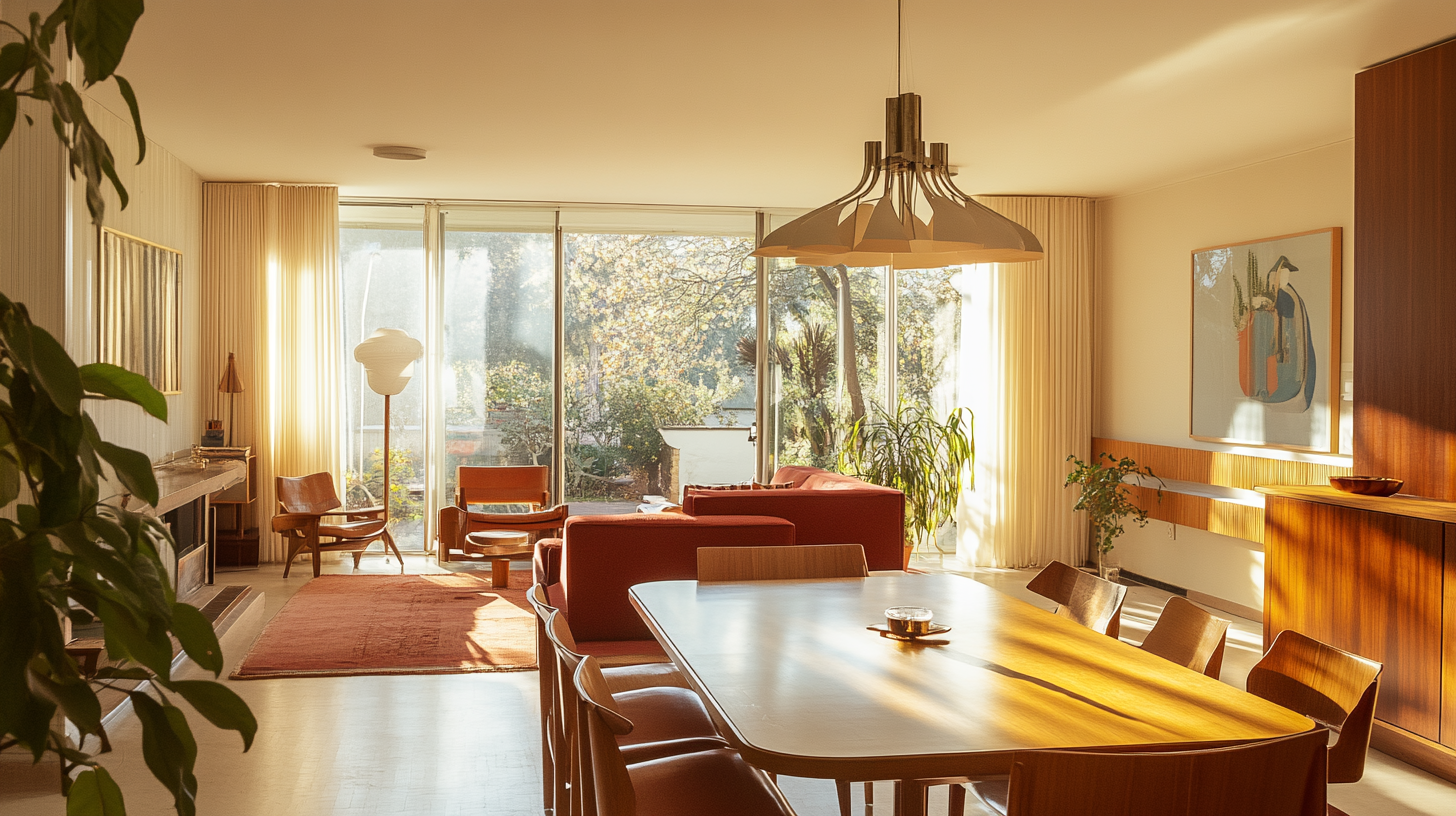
(399, 152)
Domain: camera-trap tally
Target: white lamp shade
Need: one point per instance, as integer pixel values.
(388, 357)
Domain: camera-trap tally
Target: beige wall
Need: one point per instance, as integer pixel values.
(165, 208)
(48, 258)
(1141, 372)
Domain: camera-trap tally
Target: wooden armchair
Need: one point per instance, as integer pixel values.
(529, 485)
(304, 502)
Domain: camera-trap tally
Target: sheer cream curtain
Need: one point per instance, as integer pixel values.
(1027, 373)
(270, 294)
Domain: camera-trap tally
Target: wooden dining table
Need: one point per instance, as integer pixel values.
(800, 687)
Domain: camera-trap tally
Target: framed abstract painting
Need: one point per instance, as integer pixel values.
(139, 309)
(1266, 342)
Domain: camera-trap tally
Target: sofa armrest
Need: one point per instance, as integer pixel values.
(546, 564)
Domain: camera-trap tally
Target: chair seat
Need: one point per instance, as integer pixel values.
(556, 516)
(706, 783)
(643, 675)
(663, 714)
(364, 528)
(623, 652)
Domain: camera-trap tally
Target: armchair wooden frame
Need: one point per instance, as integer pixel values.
(304, 502)
(529, 485)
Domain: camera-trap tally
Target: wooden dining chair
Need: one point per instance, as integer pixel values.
(1329, 685)
(713, 782)
(781, 563)
(800, 562)
(672, 720)
(1085, 598)
(1279, 777)
(493, 488)
(1189, 636)
(304, 502)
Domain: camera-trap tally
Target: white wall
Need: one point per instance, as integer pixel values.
(1142, 367)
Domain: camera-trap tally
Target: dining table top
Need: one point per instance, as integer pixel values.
(798, 684)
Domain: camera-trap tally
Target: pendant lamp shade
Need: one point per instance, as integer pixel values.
(905, 212)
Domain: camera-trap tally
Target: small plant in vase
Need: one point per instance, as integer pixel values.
(1107, 499)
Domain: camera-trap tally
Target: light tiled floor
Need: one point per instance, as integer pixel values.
(468, 744)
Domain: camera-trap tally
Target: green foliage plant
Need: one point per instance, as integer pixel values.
(917, 454)
(1106, 497)
(97, 32)
(65, 554)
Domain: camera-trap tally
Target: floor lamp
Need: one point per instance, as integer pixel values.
(388, 357)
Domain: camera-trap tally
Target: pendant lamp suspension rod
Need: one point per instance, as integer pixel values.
(899, 44)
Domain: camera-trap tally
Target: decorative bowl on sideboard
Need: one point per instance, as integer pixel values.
(1367, 485)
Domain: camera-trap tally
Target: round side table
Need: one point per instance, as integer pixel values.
(500, 548)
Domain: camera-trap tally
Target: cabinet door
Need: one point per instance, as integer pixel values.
(1448, 663)
(1368, 583)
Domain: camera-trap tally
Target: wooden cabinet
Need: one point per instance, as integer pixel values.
(1376, 577)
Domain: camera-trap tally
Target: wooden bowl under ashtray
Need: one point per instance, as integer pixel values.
(1367, 485)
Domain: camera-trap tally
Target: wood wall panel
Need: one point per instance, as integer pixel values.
(1369, 583)
(1213, 468)
(1405, 254)
(1448, 661)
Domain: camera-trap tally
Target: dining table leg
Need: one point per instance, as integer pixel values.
(909, 798)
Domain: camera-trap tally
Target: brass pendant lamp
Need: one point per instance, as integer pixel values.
(880, 222)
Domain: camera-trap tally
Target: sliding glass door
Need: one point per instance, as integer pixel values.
(658, 392)
(382, 261)
(497, 341)
(620, 347)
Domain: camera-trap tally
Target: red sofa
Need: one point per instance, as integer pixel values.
(588, 571)
(825, 507)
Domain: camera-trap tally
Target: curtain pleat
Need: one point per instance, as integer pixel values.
(1027, 332)
(270, 294)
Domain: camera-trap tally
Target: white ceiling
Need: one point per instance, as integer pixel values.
(750, 102)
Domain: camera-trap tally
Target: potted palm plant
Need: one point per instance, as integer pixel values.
(917, 454)
(1106, 498)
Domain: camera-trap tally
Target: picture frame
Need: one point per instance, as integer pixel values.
(1265, 342)
(138, 308)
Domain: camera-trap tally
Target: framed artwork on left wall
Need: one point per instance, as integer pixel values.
(1266, 342)
(138, 308)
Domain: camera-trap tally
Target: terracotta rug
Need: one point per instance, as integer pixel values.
(341, 625)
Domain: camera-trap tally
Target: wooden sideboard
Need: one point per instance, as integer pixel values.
(1377, 577)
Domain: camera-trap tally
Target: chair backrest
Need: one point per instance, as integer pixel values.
(1327, 684)
(781, 563)
(1086, 599)
(525, 484)
(306, 494)
(571, 710)
(1281, 777)
(604, 723)
(1189, 636)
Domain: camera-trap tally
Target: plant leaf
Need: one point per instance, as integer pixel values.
(127, 637)
(12, 61)
(136, 115)
(166, 751)
(100, 30)
(220, 705)
(117, 383)
(46, 361)
(95, 793)
(133, 469)
(8, 107)
(195, 633)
